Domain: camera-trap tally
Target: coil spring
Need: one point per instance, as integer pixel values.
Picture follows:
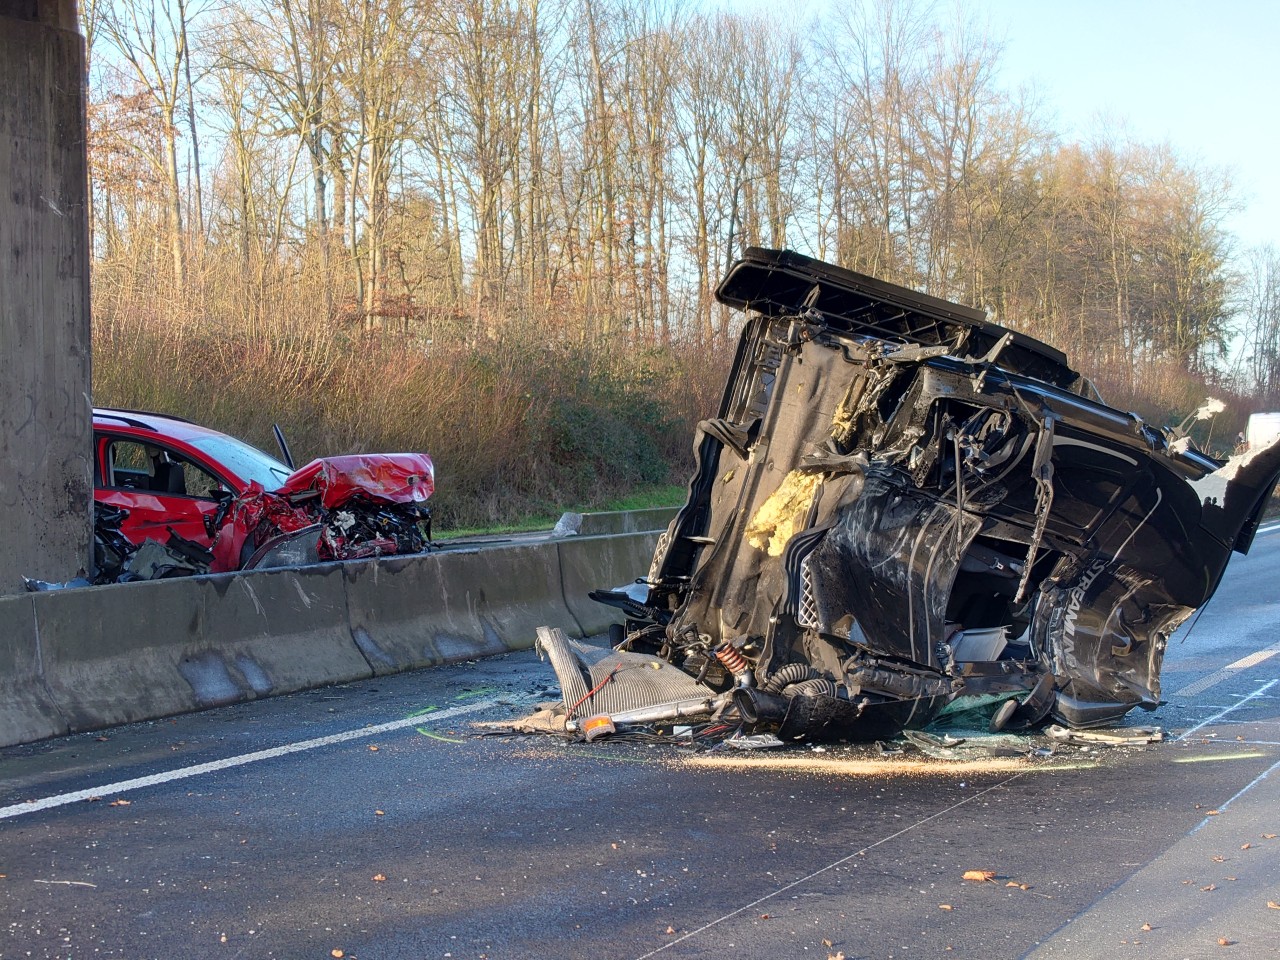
(733, 659)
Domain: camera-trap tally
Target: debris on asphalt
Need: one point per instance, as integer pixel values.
(613, 694)
(1117, 737)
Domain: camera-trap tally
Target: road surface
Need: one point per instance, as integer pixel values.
(392, 819)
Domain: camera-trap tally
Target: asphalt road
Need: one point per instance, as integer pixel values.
(383, 819)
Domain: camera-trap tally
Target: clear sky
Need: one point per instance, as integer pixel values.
(1201, 75)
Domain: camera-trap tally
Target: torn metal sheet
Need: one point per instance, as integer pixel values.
(156, 561)
(1119, 737)
(626, 687)
(757, 741)
(900, 505)
(334, 508)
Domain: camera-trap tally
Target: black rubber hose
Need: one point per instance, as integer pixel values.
(787, 675)
(818, 686)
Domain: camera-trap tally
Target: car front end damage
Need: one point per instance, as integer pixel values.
(900, 504)
(334, 508)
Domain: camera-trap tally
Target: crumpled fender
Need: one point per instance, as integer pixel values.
(394, 477)
(247, 512)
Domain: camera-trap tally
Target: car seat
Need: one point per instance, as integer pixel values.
(170, 478)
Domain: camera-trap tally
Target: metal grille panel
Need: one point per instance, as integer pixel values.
(807, 609)
(640, 680)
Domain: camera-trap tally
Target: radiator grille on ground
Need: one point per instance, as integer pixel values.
(639, 680)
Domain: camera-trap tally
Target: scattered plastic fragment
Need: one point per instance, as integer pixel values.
(1117, 737)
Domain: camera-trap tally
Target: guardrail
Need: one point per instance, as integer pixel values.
(81, 659)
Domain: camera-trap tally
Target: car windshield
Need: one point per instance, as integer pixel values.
(248, 462)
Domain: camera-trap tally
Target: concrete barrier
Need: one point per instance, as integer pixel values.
(626, 521)
(27, 709)
(275, 631)
(127, 652)
(110, 653)
(82, 659)
(601, 563)
(411, 612)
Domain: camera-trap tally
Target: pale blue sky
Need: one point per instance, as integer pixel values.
(1203, 76)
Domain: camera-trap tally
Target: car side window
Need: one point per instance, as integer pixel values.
(201, 483)
(156, 469)
(128, 465)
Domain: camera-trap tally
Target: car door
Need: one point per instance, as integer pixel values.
(159, 485)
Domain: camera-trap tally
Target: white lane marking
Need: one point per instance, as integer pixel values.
(1222, 807)
(1225, 710)
(830, 866)
(1270, 528)
(1230, 670)
(1255, 658)
(47, 803)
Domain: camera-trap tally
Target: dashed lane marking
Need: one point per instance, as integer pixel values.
(199, 769)
(1225, 710)
(1222, 807)
(1229, 671)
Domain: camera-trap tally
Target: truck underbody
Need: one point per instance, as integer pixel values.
(901, 504)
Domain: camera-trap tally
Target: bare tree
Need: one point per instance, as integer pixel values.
(1262, 324)
(592, 166)
(151, 40)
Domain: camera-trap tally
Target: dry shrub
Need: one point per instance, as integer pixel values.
(1165, 394)
(518, 423)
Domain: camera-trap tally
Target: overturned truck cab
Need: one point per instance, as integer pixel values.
(901, 504)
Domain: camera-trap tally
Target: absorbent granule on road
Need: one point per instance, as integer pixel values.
(865, 767)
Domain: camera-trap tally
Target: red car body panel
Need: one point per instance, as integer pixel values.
(151, 508)
(396, 477)
(150, 515)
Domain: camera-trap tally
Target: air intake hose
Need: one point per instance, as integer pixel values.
(760, 709)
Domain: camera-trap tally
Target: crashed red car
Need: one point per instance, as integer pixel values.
(171, 476)
(165, 472)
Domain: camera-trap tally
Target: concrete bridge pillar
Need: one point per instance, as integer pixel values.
(45, 422)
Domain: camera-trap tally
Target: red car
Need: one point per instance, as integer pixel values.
(169, 472)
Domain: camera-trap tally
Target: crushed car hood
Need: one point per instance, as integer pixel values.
(393, 477)
(342, 508)
(901, 503)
